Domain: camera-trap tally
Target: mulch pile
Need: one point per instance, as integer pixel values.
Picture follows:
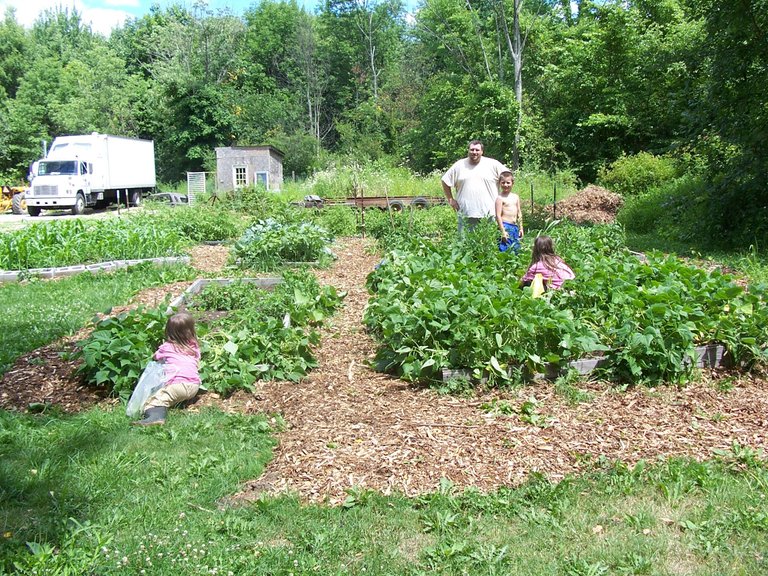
(593, 204)
(350, 427)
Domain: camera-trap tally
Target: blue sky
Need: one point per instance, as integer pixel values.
(103, 15)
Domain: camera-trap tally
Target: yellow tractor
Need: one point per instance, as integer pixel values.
(14, 198)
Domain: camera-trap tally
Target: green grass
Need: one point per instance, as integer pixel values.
(751, 263)
(37, 312)
(97, 496)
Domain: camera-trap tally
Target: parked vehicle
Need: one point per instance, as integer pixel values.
(395, 203)
(92, 170)
(13, 198)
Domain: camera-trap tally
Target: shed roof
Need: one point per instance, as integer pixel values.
(250, 148)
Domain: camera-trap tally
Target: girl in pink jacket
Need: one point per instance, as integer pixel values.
(180, 356)
(544, 261)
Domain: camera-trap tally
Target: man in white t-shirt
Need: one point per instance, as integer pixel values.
(475, 181)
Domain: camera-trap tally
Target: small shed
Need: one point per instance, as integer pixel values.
(240, 166)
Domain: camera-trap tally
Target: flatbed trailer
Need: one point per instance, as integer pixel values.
(394, 203)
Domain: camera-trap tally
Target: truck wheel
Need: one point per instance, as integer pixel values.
(135, 198)
(19, 203)
(396, 205)
(420, 202)
(79, 204)
(34, 210)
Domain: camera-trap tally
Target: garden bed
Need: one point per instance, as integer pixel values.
(61, 272)
(200, 283)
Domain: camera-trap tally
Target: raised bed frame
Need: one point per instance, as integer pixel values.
(709, 356)
(200, 283)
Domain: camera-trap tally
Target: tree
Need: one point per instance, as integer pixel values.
(14, 54)
(731, 118)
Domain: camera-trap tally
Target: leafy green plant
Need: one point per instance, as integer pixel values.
(456, 304)
(202, 222)
(268, 245)
(634, 175)
(119, 348)
(264, 335)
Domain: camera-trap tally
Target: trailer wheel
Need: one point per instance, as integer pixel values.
(396, 205)
(420, 202)
(34, 210)
(135, 198)
(79, 206)
(19, 203)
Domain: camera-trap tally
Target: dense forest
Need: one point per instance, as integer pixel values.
(548, 85)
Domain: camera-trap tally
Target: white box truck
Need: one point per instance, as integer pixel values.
(92, 170)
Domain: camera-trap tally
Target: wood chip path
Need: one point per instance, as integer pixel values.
(349, 427)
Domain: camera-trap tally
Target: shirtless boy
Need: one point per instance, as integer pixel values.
(509, 216)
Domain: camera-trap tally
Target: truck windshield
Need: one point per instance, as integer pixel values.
(68, 167)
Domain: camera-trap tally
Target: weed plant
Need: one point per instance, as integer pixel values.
(337, 220)
(349, 178)
(392, 229)
(65, 512)
(37, 312)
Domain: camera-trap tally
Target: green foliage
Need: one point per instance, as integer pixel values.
(77, 241)
(457, 305)
(454, 112)
(263, 335)
(350, 178)
(257, 202)
(38, 312)
(118, 349)
(337, 220)
(202, 222)
(392, 229)
(672, 211)
(637, 174)
(269, 244)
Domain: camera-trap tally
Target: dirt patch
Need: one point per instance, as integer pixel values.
(350, 427)
(593, 204)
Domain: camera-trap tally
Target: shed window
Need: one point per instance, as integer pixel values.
(240, 176)
(262, 179)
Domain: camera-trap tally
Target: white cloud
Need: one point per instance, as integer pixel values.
(102, 20)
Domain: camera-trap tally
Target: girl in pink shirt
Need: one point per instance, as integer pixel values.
(180, 356)
(544, 261)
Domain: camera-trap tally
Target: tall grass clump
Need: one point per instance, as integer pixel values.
(342, 179)
(671, 215)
